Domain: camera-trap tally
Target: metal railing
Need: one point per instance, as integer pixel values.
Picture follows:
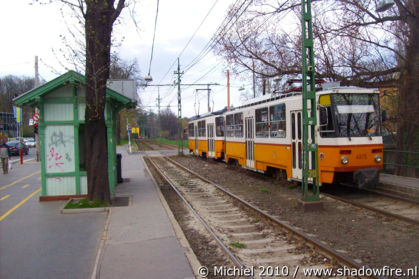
(401, 162)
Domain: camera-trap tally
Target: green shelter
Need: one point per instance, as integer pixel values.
(61, 103)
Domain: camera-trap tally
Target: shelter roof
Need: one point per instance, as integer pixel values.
(71, 77)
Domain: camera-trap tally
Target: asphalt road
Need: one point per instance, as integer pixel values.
(36, 241)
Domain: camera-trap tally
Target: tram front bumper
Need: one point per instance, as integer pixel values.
(366, 177)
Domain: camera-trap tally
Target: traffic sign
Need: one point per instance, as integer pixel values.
(35, 117)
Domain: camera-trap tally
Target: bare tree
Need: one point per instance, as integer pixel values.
(353, 44)
(10, 87)
(99, 18)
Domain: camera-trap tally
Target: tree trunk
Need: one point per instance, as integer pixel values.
(408, 129)
(99, 17)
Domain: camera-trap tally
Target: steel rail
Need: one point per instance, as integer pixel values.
(382, 193)
(342, 259)
(207, 227)
(381, 211)
(390, 195)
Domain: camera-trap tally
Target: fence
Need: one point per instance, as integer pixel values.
(401, 162)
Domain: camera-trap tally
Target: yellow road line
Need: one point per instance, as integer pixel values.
(19, 204)
(5, 197)
(19, 180)
(25, 186)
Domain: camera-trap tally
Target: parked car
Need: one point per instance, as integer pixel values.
(30, 142)
(14, 147)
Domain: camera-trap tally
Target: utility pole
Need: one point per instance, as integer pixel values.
(254, 79)
(228, 90)
(37, 141)
(208, 94)
(179, 109)
(158, 105)
(309, 97)
(208, 89)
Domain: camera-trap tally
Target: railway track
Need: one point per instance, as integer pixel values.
(251, 237)
(388, 205)
(377, 200)
(155, 145)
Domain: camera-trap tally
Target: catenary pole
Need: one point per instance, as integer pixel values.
(309, 98)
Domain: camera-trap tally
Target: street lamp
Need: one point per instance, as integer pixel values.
(148, 78)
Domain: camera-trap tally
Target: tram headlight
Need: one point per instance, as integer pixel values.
(344, 160)
(377, 158)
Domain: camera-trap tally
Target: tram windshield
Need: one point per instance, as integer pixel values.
(350, 115)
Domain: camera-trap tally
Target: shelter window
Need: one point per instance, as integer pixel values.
(277, 121)
(201, 128)
(219, 126)
(262, 124)
(191, 130)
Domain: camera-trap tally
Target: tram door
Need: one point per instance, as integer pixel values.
(249, 132)
(297, 144)
(210, 128)
(196, 140)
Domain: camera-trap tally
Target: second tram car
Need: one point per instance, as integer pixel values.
(206, 135)
(266, 135)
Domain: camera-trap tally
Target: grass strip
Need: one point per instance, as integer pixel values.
(84, 203)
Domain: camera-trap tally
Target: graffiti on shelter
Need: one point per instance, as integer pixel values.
(58, 138)
(54, 159)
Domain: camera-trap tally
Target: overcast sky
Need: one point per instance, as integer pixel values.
(30, 30)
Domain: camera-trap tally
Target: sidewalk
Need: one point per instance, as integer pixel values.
(140, 241)
(399, 180)
(400, 184)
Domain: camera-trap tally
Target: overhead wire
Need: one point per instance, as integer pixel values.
(154, 37)
(221, 31)
(187, 44)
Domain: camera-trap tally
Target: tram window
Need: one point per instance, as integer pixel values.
(293, 125)
(299, 125)
(262, 128)
(191, 130)
(219, 126)
(327, 129)
(277, 121)
(238, 123)
(201, 128)
(230, 125)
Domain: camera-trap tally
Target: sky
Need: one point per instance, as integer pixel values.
(30, 29)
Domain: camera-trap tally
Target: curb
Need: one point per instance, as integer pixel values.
(18, 160)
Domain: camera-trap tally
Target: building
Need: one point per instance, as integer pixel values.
(8, 125)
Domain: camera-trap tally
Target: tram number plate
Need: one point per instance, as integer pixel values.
(361, 156)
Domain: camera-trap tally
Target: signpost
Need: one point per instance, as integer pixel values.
(129, 136)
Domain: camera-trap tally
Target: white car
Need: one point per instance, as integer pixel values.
(30, 142)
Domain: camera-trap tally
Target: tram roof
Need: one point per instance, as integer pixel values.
(330, 90)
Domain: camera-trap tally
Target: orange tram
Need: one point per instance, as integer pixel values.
(266, 135)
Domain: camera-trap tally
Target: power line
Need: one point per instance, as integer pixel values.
(219, 33)
(187, 44)
(154, 36)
